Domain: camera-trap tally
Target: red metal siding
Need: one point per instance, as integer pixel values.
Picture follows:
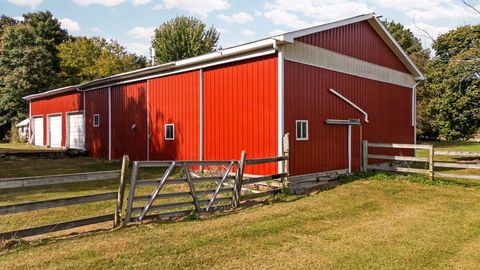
(175, 100)
(240, 111)
(358, 40)
(96, 138)
(129, 121)
(307, 97)
(69, 102)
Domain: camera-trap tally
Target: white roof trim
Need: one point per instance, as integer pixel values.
(52, 92)
(290, 36)
(23, 123)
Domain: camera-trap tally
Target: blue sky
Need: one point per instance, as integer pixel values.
(131, 22)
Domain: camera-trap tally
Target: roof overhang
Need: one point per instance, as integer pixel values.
(53, 92)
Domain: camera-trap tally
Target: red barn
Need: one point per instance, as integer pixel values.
(328, 86)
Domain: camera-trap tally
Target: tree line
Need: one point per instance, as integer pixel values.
(36, 55)
(448, 101)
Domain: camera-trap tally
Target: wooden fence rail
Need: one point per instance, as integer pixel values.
(9, 183)
(430, 160)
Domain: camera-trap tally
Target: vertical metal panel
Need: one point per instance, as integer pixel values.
(241, 111)
(129, 120)
(96, 138)
(62, 103)
(175, 100)
(358, 40)
(307, 97)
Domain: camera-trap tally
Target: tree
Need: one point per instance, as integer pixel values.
(84, 59)
(6, 21)
(49, 30)
(420, 57)
(454, 83)
(25, 69)
(183, 37)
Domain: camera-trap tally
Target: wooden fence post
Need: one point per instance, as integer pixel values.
(431, 163)
(121, 192)
(286, 152)
(365, 155)
(237, 188)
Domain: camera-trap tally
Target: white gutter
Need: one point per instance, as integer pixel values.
(414, 111)
(351, 103)
(281, 104)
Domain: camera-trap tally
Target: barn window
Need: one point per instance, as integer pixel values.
(302, 130)
(96, 120)
(169, 132)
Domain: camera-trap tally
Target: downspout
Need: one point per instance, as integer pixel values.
(280, 94)
(414, 111)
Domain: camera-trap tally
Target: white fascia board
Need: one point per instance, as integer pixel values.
(290, 36)
(52, 92)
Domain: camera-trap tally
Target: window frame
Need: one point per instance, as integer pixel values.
(173, 132)
(297, 137)
(97, 116)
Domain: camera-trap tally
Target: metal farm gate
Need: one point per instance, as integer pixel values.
(179, 191)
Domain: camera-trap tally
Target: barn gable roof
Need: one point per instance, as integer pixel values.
(243, 51)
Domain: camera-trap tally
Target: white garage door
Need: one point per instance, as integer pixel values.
(38, 130)
(55, 130)
(76, 134)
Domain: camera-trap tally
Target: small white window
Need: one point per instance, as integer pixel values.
(96, 120)
(169, 132)
(302, 130)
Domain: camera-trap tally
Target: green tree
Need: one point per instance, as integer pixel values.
(49, 31)
(6, 21)
(183, 37)
(83, 59)
(420, 57)
(454, 83)
(25, 69)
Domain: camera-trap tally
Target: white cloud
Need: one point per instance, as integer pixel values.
(240, 17)
(158, 7)
(258, 13)
(247, 33)
(281, 17)
(19, 18)
(276, 32)
(197, 7)
(141, 32)
(69, 24)
(140, 2)
(138, 48)
(26, 3)
(223, 30)
(96, 30)
(430, 9)
(107, 3)
(287, 12)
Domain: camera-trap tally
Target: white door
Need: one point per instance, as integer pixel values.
(76, 133)
(55, 131)
(38, 130)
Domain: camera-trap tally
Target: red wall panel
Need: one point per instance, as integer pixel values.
(129, 121)
(307, 97)
(240, 111)
(96, 138)
(175, 100)
(63, 103)
(358, 40)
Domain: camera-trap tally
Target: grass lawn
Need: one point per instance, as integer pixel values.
(377, 221)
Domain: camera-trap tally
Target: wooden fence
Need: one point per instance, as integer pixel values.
(392, 163)
(7, 183)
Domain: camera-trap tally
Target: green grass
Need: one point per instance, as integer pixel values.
(374, 222)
